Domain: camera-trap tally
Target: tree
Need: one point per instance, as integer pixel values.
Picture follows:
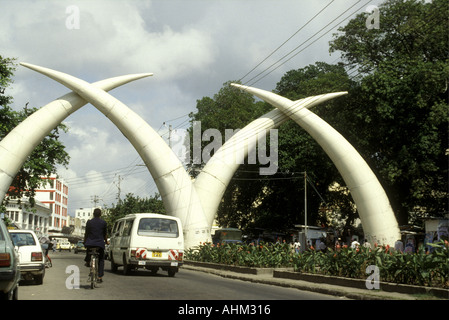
(134, 204)
(45, 158)
(300, 154)
(403, 100)
(233, 109)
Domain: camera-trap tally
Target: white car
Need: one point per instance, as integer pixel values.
(31, 257)
(65, 246)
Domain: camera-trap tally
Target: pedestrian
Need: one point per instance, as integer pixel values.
(366, 244)
(399, 246)
(297, 246)
(354, 244)
(409, 247)
(322, 245)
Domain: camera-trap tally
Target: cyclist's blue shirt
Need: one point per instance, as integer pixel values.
(95, 233)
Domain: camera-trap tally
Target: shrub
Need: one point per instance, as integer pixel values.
(421, 268)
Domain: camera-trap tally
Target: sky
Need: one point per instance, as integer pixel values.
(191, 46)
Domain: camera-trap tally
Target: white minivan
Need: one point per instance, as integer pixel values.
(147, 240)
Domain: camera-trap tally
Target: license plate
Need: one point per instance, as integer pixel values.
(157, 254)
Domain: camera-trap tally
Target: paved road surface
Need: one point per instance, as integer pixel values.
(141, 285)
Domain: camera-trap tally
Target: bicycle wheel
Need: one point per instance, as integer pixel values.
(93, 271)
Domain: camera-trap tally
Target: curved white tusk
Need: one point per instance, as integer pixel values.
(376, 214)
(173, 182)
(21, 141)
(214, 178)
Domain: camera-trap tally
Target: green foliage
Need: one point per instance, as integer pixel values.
(395, 115)
(263, 255)
(402, 104)
(45, 158)
(134, 204)
(421, 268)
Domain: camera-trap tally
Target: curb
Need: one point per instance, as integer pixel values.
(338, 286)
(361, 284)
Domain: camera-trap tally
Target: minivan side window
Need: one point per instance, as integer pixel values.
(118, 228)
(158, 227)
(127, 228)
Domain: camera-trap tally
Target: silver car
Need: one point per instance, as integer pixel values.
(9, 266)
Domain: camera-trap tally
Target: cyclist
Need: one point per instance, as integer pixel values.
(96, 236)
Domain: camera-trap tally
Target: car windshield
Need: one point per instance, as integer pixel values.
(158, 227)
(23, 239)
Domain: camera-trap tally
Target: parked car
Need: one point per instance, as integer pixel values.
(31, 257)
(79, 247)
(9, 266)
(65, 246)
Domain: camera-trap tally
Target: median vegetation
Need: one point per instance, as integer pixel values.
(424, 268)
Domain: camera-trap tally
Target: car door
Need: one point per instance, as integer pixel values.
(115, 239)
(126, 237)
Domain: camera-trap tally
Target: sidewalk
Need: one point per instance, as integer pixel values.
(286, 278)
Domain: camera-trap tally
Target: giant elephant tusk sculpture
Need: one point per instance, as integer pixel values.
(375, 212)
(20, 142)
(195, 202)
(173, 182)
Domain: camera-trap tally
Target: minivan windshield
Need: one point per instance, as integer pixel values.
(158, 227)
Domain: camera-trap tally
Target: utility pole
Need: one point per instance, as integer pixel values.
(170, 129)
(95, 199)
(169, 135)
(119, 190)
(305, 204)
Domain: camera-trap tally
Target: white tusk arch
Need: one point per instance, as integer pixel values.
(21, 141)
(376, 214)
(214, 178)
(173, 182)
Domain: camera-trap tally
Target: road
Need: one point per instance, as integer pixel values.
(141, 285)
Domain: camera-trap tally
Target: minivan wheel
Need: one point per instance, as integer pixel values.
(113, 264)
(171, 272)
(126, 267)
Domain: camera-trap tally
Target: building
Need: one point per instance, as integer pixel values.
(77, 228)
(55, 194)
(36, 218)
(84, 214)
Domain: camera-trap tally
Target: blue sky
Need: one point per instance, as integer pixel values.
(192, 47)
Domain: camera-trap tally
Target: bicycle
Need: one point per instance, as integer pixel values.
(45, 248)
(93, 275)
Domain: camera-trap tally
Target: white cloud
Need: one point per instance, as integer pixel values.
(191, 46)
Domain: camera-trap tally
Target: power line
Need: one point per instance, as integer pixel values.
(289, 53)
(310, 20)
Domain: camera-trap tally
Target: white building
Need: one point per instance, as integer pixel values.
(36, 218)
(84, 214)
(55, 195)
